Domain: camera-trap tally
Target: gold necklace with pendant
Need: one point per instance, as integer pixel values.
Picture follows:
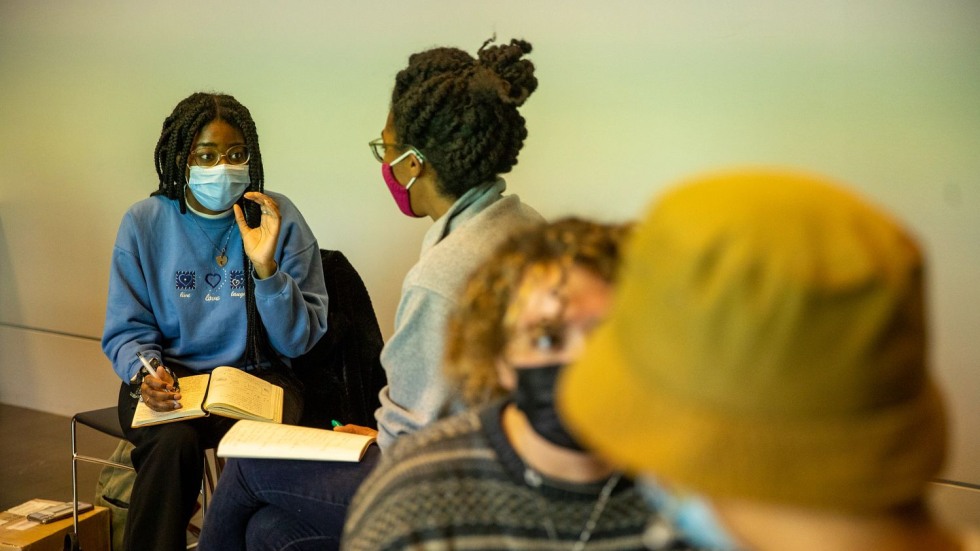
(220, 258)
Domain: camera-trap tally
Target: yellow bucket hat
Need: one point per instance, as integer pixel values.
(767, 342)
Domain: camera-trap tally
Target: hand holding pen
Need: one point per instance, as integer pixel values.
(352, 428)
(159, 388)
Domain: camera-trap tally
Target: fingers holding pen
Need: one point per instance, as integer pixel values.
(159, 394)
(355, 429)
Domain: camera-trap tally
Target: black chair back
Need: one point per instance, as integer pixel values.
(342, 374)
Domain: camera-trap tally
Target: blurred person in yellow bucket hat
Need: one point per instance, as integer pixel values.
(767, 350)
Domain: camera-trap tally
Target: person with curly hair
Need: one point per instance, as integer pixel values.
(505, 474)
(210, 270)
(452, 129)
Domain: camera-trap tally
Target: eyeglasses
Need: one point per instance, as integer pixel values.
(378, 147)
(209, 156)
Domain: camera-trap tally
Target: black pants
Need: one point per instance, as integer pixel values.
(169, 462)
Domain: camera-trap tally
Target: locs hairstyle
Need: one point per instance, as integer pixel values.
(177, 137)
(461, 112)
(170, 157)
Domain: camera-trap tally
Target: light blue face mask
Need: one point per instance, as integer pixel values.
(686, 517)
(217, 187)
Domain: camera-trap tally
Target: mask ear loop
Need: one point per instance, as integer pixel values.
(418, 156)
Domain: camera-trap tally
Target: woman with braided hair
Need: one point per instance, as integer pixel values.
(453, 127)
(210, 270)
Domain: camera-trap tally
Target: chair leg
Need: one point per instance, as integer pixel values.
(212, 472)
(74, 478)
(207, 485)
(193, 528)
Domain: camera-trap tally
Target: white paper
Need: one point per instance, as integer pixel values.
(32, 506)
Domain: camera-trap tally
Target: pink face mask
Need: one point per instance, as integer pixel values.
(399, 192)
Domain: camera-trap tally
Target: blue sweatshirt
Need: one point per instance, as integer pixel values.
(169, 298)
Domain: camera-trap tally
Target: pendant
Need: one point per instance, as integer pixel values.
(221, 260)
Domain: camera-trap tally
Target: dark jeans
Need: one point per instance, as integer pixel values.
(274, 504)
(169, 462)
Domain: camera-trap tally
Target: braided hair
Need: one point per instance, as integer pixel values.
(170, 156)
(461, 112)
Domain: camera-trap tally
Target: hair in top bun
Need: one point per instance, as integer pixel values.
(461, 112)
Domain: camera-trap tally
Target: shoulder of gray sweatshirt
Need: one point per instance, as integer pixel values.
(417, 392)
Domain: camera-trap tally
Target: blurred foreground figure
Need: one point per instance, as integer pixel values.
(766, 349)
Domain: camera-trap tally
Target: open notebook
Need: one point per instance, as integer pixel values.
(227, 391)
(267, 441)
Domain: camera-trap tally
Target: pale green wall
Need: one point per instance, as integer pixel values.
(633, 95)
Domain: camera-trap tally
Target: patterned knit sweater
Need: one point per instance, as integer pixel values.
(458, 484)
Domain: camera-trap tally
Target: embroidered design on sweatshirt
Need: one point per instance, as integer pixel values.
(185, 281)
(236, 279)
(214, 280)
(236, 282)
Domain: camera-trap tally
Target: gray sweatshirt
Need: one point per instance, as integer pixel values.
(417, 391)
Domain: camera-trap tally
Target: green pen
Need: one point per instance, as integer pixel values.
(335, 423)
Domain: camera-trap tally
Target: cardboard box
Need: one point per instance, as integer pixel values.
(93, 533)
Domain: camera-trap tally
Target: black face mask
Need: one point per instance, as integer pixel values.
(535, 396)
